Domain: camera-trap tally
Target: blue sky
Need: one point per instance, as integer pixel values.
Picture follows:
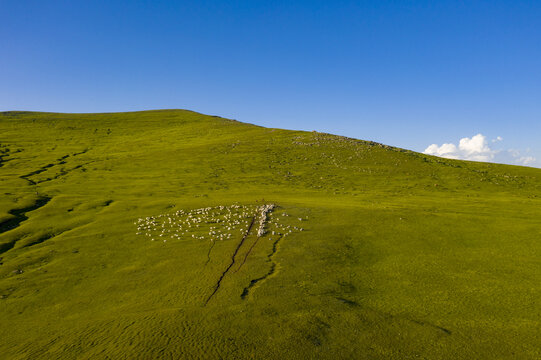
(405, 73)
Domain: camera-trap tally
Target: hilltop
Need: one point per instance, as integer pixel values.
(279, 243)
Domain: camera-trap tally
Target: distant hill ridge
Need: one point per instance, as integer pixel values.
(170, 233)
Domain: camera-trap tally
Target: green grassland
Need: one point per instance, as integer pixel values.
(401, 255)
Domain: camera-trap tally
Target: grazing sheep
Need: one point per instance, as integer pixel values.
(224, 220)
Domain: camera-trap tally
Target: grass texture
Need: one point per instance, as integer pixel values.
(369, 252)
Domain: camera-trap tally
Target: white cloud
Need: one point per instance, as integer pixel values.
(520, 159)
(446, 150)
(526, 160)
(477, 148)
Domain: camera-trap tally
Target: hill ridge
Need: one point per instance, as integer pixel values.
(389, 253)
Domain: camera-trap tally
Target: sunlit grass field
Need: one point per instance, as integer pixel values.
(377, 252)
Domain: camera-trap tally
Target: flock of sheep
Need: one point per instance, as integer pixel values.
(214, 223)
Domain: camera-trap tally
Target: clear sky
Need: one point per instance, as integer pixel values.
(405, 73)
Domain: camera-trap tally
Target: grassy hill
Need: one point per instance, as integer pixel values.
(370, 251)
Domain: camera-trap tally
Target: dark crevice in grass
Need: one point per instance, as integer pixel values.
(271, 271)
(60, 161)
(20, 214)
(218, 283)
(5, 151)
(347, 302)
(210, 249)
(390, 316)
(40, 240)
(82, 152)
(6, 246)
(36, 172)
(43, 238)
(424, 323)
(2, 161)
(247, 254)
(63, 172)
(19, 217)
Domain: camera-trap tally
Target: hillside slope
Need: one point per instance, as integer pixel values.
(377, 252)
